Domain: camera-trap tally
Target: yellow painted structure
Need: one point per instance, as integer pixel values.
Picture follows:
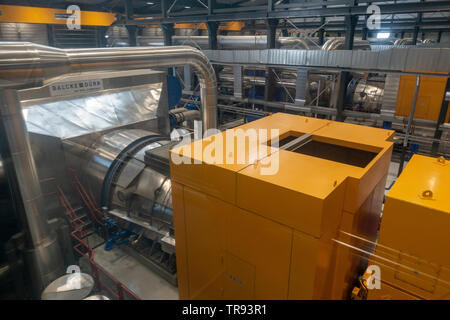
(413, 250)
(241, 234)
(224, 26)
(429, 99)
(23, 14)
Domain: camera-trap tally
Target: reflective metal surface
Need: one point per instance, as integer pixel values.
(29, 65)
(339, 44)
(42, 252)
(24, 166)
(103, 152)
(232, 42)
(97, 297)
(2, 173)
(367, 97)
(73, 286)
(75, 117)
(422, 60)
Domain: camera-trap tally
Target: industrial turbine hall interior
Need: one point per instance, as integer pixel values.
(225, 150)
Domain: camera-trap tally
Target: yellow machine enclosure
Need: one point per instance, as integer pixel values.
(429, 99)
(242, 234)
(413, 251)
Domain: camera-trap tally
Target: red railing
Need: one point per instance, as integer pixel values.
(80, 234)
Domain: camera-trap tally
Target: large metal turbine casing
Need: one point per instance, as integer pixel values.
(97, 127)
(66, 116)
(127, 185)
(55, 103)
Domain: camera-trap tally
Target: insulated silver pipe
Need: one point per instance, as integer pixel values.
(15, 131)
(338, 44)
(2, 173)
(42, 253)
(233, 42)
(27, 65)
(332, 112)
(24, 64)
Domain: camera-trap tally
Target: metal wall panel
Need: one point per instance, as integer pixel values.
(398, 59)
(363, 59)
(391, 87)
(423, 60)
(444, 58)
(384, 60)
(32, 32)
(86, 37)
(340, 58)
(296, 57)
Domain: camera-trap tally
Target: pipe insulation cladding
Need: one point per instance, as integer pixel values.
(25, 65)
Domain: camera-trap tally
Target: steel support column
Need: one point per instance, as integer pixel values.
(408, 128)
(416, 28)
(415, 35)
(344, 76)
(441, 119)
(129, 13)
(269, 88)
(213, 26)
(168, 32)
(321, 32)
(101, 40)
(271, 33)
(343, 80)
(132, 35)
(364, 34)
(350, 25)
(50, 37)
(211, 5)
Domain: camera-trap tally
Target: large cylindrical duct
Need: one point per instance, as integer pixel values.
(339, 44)
(233, 42)
(42, 253)
(2, 173)
(24, 64)
(27, 65)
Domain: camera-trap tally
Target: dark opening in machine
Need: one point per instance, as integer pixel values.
(305, 144)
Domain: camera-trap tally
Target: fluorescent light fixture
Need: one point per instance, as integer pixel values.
(187, 7)
(383, 35)
(150, 3)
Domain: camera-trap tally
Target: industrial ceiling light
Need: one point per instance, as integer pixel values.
(383, 35)
(187, 7)
(150, 3)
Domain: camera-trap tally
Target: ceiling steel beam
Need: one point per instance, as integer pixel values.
(262, 13)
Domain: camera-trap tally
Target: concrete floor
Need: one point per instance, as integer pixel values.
(392, 174)
(135, 276)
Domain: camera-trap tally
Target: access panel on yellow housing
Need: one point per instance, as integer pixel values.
(233, 253)
(429, 100)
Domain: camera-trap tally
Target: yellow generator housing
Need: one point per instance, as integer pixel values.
(242, 233)
(413, 251)
(429, 98)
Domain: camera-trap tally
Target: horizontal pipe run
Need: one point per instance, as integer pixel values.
(24, 64)
(332, 112)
